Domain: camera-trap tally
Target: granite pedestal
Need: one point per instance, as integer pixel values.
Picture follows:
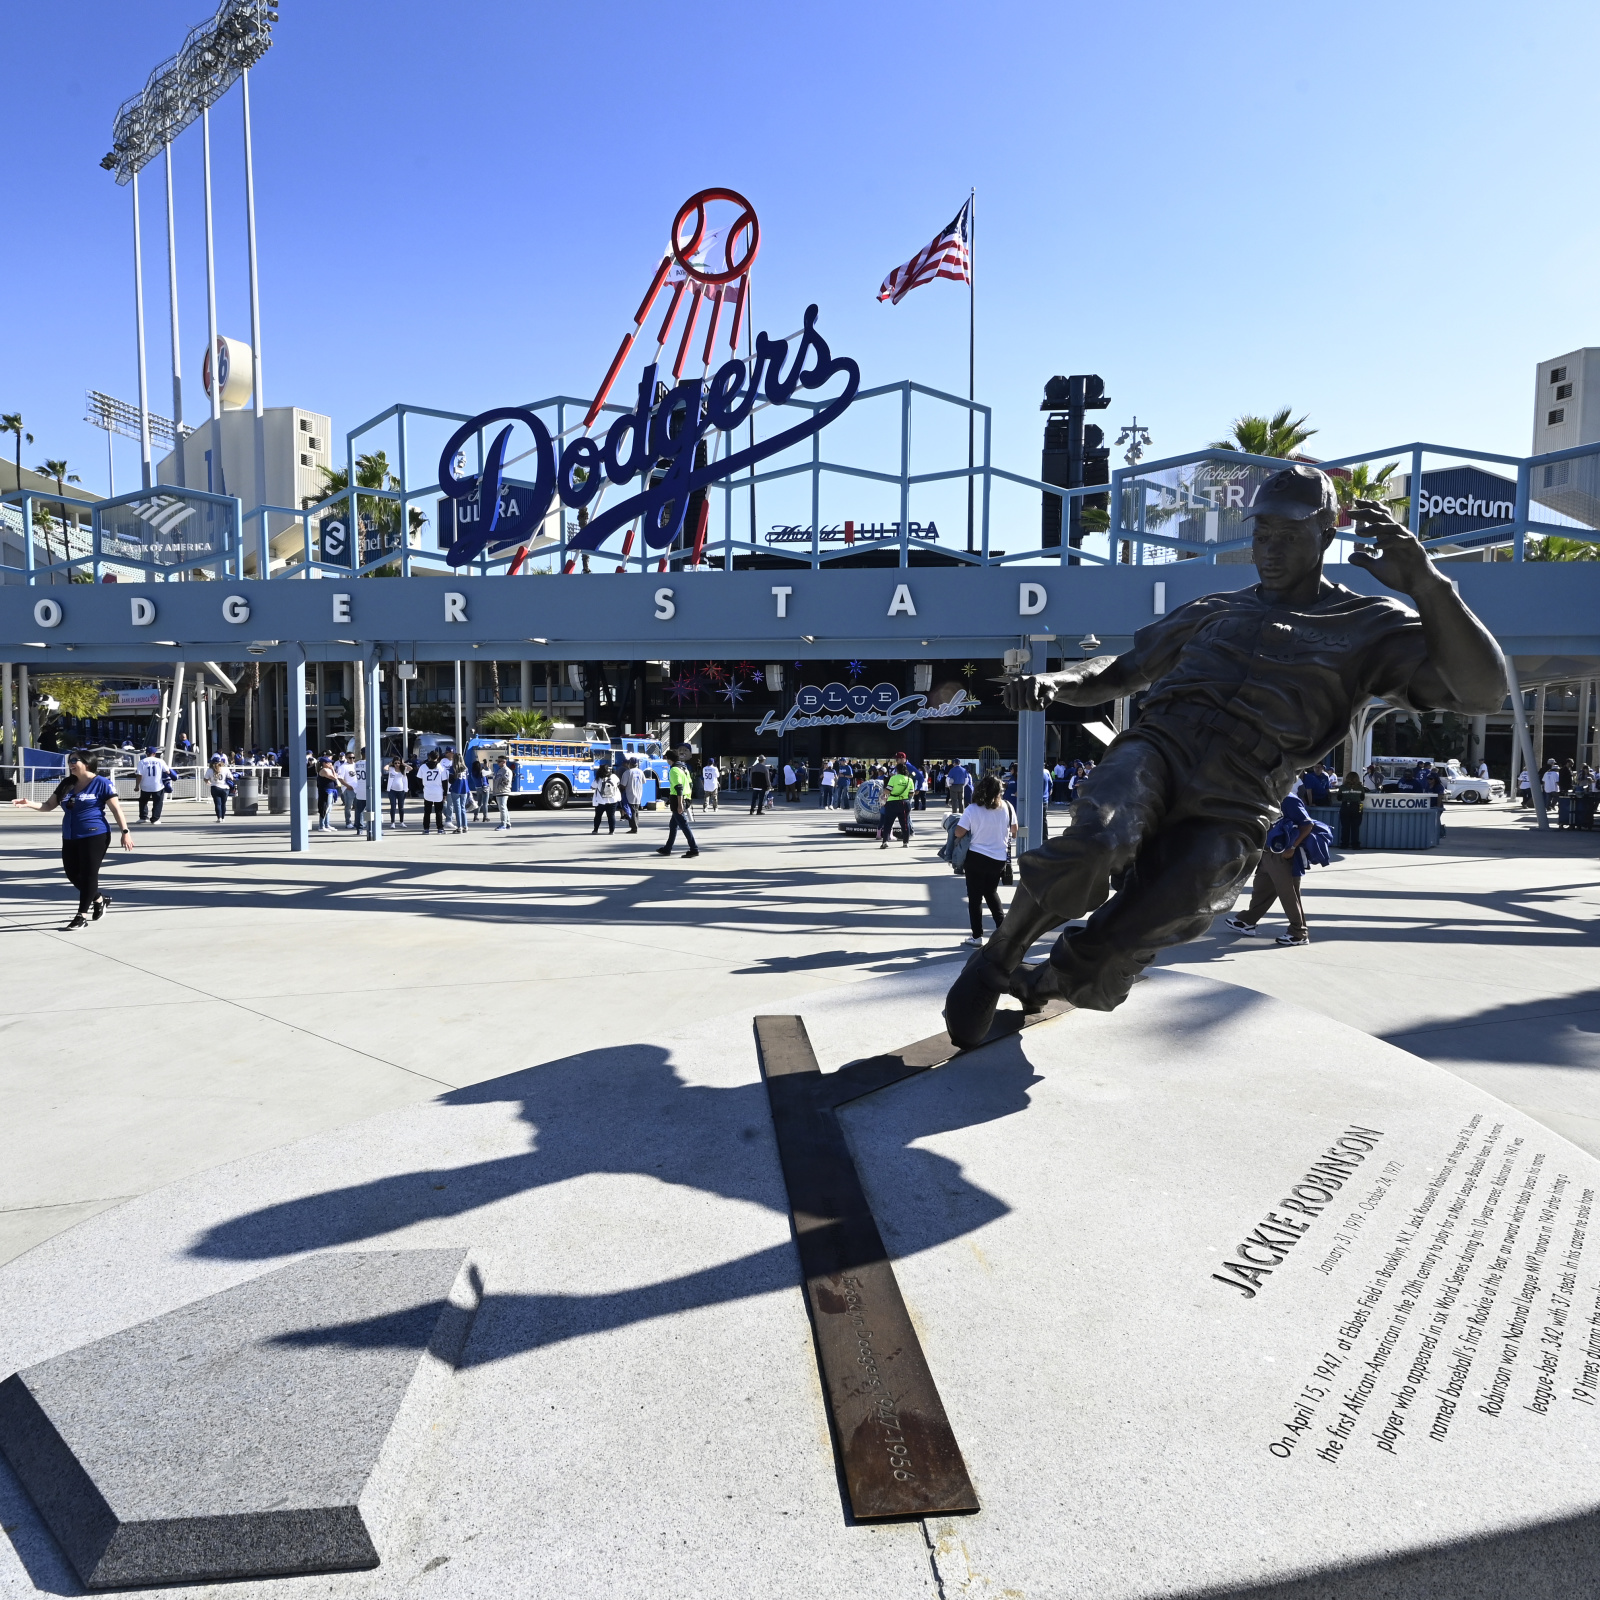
(239, 1436)
(1221, 1298)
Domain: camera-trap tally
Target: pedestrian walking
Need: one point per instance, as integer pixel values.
(1550, 780)
(1524, 788)
(915, 773)
(220, 776)
(680, 792)
(84, 798)
(501, 780)
(397, 785)
(607, 797)
(958, 787)
(434, 776)
(154, 779)
(344, 770)
(358, 788)
(329, 784)
(791, 782)
(760, 786)
(1352, 794)
(896, 806)
(1290, 843)
(846, 776)
(632, 783)
(460, 786)
(827, 785)
(478, 787)
(990, 823)
(711, 782)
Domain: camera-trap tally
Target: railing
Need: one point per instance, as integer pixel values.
(1183, 507)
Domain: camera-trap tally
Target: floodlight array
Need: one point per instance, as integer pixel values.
(118, 416)
(209, 64)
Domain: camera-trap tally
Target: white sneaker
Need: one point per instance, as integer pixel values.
(974, 942)
(1239, 925)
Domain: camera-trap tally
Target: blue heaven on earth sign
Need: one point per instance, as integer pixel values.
(835, 705)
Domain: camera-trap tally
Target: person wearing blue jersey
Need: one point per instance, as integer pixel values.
(84, 798)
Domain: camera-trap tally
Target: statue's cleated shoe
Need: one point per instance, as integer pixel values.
(1036, 986)
(969, 1006)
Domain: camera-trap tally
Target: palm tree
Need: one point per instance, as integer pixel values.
(1266, 436)
(11, 422)
(372, 472)
(1363, 483)
(524, 724)
(1552, 547)
(58, 471)
(45, 524)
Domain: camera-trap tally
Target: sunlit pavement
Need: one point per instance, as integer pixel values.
(1480, 955)
(237, 997)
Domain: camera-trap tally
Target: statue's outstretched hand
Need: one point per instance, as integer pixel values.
(1031, 692)
(1395, 556)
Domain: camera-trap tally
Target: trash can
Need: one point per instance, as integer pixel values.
(246, 795)
(1576, 810)
(277, 796)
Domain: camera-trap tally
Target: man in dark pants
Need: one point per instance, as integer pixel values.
(680, 793)
(1245, 688)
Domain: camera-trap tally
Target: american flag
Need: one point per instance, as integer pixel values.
(946, 257)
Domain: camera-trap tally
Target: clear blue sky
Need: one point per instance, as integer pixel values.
(1382, 215)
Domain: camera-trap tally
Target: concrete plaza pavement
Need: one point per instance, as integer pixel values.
(239, 997)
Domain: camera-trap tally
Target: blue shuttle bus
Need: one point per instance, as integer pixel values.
(557, 771)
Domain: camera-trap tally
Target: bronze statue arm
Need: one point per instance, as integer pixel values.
(1464, 671)
(1084, 683)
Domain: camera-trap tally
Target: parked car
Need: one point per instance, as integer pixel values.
(1459, 784)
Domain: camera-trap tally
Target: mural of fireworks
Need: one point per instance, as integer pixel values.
(714, 672)
(970, 670)
(856, 668)
(747, 669)
(757, 675)
(733, 691)
(683, 687)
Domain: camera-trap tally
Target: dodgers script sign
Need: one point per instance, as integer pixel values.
(657, 441)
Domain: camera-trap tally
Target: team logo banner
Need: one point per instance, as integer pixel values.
(662, 440)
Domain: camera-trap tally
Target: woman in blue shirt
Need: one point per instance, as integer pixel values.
(84, 798)
(460, 787)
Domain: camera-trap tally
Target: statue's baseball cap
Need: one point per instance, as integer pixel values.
(1295, 493)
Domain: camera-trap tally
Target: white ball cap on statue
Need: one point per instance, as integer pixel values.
(236, 367)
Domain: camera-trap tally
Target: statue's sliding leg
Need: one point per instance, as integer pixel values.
(1179, 881)
(1119, 806)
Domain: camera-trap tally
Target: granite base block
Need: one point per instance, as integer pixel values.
(238, 1436)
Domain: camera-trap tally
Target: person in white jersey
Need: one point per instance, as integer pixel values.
(154, 779)
(992, 824)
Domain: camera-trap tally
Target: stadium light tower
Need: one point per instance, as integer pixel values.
(215, 55)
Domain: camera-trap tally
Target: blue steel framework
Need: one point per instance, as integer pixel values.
(1139, 499)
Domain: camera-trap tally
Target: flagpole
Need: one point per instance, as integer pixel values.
(972, 341)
